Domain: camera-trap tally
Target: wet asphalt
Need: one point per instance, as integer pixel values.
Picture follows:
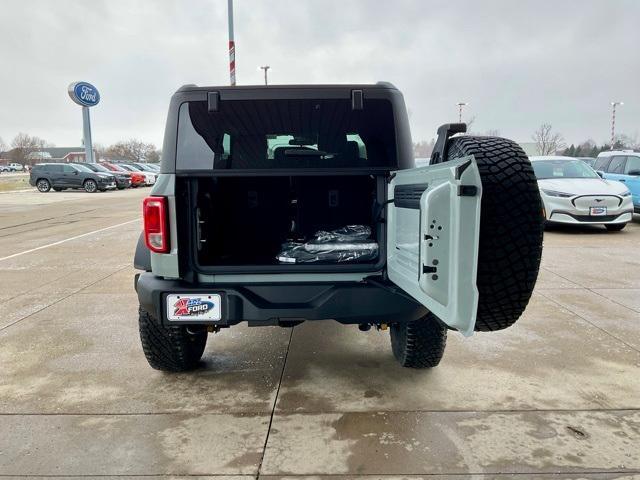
(556, 396)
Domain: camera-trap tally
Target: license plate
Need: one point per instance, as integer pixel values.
(597, 211)
(187, 307)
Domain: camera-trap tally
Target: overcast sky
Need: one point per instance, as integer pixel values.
(518, 63)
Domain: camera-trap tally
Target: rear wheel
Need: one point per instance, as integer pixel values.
(615, 227)
(90, 186)
(511, 227)
(170, 348)
(43, 185)
(419, 344)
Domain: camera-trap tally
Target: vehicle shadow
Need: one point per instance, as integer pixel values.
(576, 229)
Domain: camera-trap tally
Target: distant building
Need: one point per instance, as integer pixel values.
(54, 154)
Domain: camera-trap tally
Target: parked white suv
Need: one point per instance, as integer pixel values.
(572, 192)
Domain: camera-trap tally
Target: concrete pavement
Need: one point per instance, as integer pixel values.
(556, 396)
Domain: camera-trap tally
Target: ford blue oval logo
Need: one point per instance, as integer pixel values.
(84, 94)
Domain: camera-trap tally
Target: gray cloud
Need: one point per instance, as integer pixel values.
(518, 63)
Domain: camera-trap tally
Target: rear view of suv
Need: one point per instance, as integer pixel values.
(283, 204)
(60, 176)
(623, 166)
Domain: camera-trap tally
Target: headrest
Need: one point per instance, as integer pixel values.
(352, 151)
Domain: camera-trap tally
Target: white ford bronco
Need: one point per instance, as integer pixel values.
(283, 204)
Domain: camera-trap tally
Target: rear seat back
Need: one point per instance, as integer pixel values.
(259, 212)
(326, 203)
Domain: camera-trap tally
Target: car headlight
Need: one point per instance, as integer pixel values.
(626, 194)
(553, 193)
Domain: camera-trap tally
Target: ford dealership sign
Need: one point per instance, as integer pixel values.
(84, 94)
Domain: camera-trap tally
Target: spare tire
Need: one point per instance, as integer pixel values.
(511, 228)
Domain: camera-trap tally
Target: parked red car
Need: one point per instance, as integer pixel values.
(137, 179)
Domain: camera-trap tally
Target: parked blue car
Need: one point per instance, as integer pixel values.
(624, 166)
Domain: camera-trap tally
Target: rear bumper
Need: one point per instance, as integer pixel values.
(274, 304)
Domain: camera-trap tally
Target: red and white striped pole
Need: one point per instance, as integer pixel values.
(613, 121)
(232, 46)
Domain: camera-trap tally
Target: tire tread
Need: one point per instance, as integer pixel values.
(419, 344)
(170, 348)
(511, 228)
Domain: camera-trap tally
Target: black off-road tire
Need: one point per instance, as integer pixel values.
(511, 228)
(615, 227)
(170, 348)
(419, 344)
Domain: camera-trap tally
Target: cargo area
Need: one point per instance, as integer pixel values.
(245, 220)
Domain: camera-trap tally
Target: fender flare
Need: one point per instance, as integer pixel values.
(142, 257)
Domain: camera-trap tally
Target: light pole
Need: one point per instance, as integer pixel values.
(460, 105)
(613, 121)
(232, 45)
(265, 68)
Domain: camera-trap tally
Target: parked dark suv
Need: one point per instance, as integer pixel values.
(61, 176)
(123, 180)
(283, 204)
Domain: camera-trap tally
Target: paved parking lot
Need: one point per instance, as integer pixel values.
(559, 393)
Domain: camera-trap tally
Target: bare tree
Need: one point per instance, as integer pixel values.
(470, 122)
(547, 141)
(154, 156)
(24, 148)
(492, 132)
(3, 146)
(629, 141)
(133, 150)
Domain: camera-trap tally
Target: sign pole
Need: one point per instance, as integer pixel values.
(232, 45)
(85, 95)
(86, 133)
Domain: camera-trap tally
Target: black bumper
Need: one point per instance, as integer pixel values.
(123, 182)
(284, 303)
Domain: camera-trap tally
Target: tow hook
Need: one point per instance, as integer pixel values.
(213, 328)
(382, 326)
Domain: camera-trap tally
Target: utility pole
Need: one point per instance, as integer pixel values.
(265, 68)
(460, 105)
(232, 45)
(613, 121)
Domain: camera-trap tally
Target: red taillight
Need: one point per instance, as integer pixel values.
(156, 231)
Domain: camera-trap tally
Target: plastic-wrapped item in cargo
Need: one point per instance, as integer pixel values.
(350, 244)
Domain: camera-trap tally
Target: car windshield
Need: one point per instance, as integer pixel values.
(545, 169)
(98, 168)
(82, 168)
(116, 168)
(130, 168)
(144, 167)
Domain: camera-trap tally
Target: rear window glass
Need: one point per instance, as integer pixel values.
(546, 169)
(257, 134)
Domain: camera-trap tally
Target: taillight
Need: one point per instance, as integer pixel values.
(156, 231)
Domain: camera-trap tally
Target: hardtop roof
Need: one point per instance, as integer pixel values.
(307, 86)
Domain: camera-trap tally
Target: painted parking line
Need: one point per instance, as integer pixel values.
(68, 239)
